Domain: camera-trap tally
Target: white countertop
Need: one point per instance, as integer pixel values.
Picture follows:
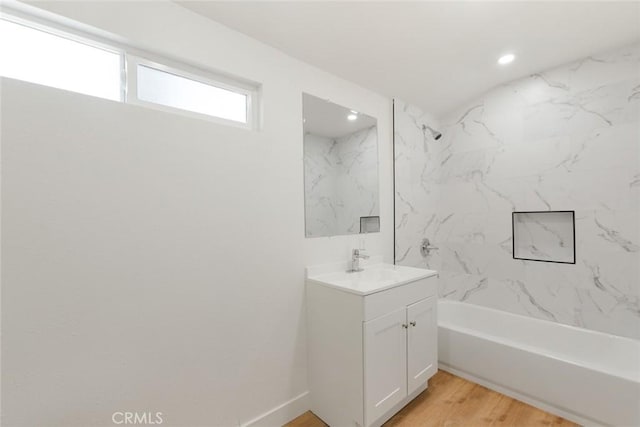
(376, 276)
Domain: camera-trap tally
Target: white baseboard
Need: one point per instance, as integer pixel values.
(282, 414)
(518, 396)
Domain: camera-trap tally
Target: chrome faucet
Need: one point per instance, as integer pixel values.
(356, 256)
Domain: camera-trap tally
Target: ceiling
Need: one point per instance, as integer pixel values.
(436, 55)
(327, 119)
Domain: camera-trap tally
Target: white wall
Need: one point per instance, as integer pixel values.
(152, 262)
(564, 139)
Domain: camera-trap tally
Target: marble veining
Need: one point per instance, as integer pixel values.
(545, 236)
(563, 139)
(341, 182)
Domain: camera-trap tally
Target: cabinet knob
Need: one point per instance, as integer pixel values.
(413, 323)
(404, 325)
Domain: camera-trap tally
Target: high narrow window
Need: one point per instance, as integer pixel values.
(40, 57)
(178, 90)
(72, 60)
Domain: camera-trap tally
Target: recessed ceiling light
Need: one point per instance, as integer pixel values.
(506, 59)
(352, 117)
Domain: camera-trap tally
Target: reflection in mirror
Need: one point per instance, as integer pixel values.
(340, 170)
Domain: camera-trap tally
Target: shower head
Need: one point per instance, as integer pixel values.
(436, 135)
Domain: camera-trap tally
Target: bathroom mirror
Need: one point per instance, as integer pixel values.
(340, 169)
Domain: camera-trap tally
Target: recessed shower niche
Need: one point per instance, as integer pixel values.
(548, 236)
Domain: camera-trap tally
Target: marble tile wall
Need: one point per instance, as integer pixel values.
(341, 182)
(563, 139)
(320, 204)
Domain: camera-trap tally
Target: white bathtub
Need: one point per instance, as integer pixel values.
(588, 377)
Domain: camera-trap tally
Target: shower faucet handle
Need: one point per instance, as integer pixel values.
(426, 247)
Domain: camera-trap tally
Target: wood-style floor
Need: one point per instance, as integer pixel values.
(451, 401)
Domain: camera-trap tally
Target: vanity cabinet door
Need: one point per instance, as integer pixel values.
(422, 350)
(385, 363)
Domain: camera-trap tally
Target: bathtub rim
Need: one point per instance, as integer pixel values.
(541, 350)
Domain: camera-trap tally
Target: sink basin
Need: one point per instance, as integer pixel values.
(374, 278)
(369, 275)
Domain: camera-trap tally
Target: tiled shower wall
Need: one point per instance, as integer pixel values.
(564, 139)
(341, 182)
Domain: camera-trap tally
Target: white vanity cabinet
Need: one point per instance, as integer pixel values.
(399, 355)
(371, 350)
